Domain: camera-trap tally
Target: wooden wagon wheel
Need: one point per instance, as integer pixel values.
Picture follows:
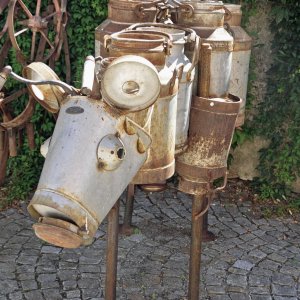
(43, 40)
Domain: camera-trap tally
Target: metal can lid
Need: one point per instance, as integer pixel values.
(58, 232)
(130, 83)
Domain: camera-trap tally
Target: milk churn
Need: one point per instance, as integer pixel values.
(89, 161)
(123, 13)
(200, 13)
(212, 124)
(181, 37)
(215, 64)
(235, 12)
(240, 58)
(160, 119)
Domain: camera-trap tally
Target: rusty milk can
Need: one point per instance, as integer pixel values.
(123, 13)
(89, 160)
(240, 58)
(212, 124)
(160, 119)
(200, 13)
(181, 37)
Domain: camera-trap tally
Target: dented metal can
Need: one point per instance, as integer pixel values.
(201, 13)
(121, 14)
(212, 124)
(160, 119)
(182, 37)
(90, 138)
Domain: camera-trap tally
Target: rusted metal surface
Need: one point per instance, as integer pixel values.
(76, 198)
(112, 252)
(47, 95)
(211, 130)
(182, 37)
(201, 13)
(153, 46)
(126, 228)
(37, 23)
(160, 119)
(195, 248)
(240, 67)
(58, 232)
(236, 14)
(121, 14)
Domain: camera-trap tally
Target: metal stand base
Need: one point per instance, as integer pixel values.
(112, 253)
(195, 251)
(126, 228)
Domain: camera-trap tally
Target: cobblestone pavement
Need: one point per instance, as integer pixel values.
(251, 259)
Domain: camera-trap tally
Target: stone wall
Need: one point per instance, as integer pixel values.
(246, 157)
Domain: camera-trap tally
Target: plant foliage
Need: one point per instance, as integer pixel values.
(84, 16)
(279, 114)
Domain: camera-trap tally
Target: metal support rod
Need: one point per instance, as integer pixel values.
(195, 250)
(127, 228)
(129, 206)
(112, 253)
(207, 236)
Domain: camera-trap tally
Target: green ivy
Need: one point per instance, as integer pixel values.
(279, 114)
(24, 170)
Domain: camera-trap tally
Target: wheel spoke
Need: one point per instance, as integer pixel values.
(26, 10)
(46, 38)
(21, 31)
(49, 16)
(38, 8)
(33, 45)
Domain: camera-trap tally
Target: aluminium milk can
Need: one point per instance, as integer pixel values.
(240, 58)
(212, 124)
(215, 64)
(181, 36)
(160, 119)
(123, 13)
(88, 165)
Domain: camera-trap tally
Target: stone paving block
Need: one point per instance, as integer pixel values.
(261, 297)
(243, 264)
(8, 286)
(282, 279)
(29, 285)
(239, 296)
(281, 290)
(36, 295)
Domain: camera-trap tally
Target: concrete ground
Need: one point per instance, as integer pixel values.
(252, 258)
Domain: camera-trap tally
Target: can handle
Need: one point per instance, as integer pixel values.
(88, 75)
(140, 9)
(195, 58)
(211, 194)
(177, 74)
(186, 9)
(228, 14)
(205, 70)
(107, 42)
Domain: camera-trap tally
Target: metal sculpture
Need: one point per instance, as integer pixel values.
(125, 121)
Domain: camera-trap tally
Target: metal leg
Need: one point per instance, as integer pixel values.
(207, 236)
(127, 228)
(112, 253)
(195, 251)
